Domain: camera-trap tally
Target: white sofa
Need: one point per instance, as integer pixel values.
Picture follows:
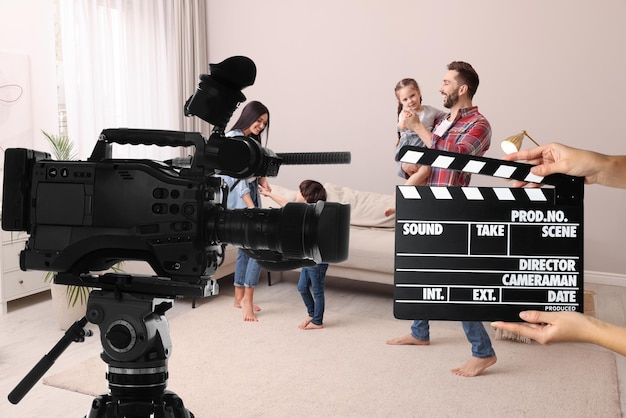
(372, 238)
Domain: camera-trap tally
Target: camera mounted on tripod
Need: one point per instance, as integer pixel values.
(86, 216)
(83, 217)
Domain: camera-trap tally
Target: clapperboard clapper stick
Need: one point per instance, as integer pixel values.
(487, 253)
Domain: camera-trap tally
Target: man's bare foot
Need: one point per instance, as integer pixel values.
(311, 325)
(303, 324)
(407, 340)
(474, 366)
(390, 211)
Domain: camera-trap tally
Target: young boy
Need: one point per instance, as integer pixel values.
(310, 277)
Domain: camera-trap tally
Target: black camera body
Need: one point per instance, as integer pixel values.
(88, 215)
(85, 216)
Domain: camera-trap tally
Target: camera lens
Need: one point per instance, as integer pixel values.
(318, 231)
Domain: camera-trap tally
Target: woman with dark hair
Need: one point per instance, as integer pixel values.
(244, 193)
(253, 122)
(311, 278)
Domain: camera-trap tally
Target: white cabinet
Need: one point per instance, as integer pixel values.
(15, 283)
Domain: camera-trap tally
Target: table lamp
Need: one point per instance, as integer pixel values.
(514, 143)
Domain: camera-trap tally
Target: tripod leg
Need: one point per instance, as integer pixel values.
(172, 407)
(99, 407)
(174, 404)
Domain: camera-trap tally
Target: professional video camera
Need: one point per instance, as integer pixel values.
(83, 217)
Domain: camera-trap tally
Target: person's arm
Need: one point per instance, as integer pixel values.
(242, 190)
(410, 120)
(471, 134)
(548, 327)
(554, 327)
(608, 170)
(265, 183)
(276, 198)
(247, 199)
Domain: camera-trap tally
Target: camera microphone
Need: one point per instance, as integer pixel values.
(295, 158)
(304, 158)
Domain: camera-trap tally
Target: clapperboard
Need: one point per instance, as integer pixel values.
(487, 253)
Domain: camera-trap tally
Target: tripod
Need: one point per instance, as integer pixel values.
(136, 344)
(136, 347)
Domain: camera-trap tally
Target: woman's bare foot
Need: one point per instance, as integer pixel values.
(239, 292)
(256, 308)
(248, 312)
(247, 306)
(474, 366)
(248, 316)
(407, 340)
(303, 324)
(311, 325)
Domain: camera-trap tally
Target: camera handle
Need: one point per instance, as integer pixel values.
(161, 138)
(75, 333)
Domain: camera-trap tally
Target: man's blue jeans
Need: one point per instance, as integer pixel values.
(474, 331)
(247, 271)
(313, 278)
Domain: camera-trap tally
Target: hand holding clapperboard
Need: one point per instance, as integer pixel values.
(485, 253)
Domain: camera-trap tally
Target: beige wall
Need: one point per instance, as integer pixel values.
(327, 73)
(327, 70)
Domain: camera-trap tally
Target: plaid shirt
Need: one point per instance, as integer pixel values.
(470, 133)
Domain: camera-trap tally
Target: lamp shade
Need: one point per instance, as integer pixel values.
(513, 143)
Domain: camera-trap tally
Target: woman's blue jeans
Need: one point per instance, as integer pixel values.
(313, 278)
(247, 271)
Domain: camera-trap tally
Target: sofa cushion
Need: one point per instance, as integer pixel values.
(366, 208)
(371, 249)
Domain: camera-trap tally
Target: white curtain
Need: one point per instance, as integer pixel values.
(127, 64)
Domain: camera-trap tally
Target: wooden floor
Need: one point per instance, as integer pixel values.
(29, 331)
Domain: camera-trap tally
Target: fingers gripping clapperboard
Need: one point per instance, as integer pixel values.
(484, 253)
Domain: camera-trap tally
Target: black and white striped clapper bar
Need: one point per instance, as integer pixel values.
(485, 253)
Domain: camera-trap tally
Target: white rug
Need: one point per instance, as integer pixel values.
(221, 366)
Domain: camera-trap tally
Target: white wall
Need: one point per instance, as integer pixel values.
(327, 71)
(27, 28)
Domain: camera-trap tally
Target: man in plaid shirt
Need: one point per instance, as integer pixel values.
(465, 131)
